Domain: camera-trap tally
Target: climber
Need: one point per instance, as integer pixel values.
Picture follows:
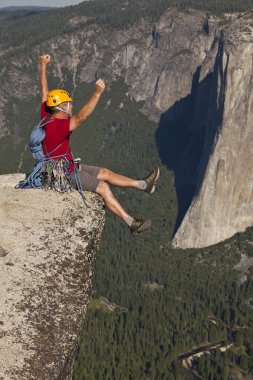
(57, 105)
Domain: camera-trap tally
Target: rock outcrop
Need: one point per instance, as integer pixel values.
(48, 243)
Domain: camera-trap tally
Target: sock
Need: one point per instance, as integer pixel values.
(129, 221)
(142, 184)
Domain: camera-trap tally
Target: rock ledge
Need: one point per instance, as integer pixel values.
(48, 242)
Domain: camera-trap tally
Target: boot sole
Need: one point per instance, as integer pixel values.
(157, 176)
(145, 226)
(153, 189)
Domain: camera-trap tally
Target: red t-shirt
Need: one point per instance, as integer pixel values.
(57, 136)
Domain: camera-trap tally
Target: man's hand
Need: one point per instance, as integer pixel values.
(100, 86)
(44, 59)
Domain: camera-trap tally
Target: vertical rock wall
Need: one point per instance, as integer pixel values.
(223, 200)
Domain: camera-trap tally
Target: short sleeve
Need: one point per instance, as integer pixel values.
(44, 110)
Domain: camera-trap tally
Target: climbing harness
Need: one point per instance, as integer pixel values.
(54, 175)
(49, 172)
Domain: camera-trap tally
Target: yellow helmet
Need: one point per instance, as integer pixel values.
(56, 97)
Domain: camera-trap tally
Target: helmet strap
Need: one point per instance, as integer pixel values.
(67, 112)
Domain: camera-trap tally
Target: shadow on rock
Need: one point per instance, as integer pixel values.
(187, 132)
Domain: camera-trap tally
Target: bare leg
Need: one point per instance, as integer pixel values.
(136, 226)
(116, 179)
(111, 202)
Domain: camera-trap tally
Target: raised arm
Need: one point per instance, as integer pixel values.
(89, 107)
(44, 60)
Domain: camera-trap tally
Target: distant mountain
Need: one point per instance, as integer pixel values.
(19, 13)
(24, 8)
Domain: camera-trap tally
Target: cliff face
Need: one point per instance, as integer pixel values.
(193, 74)
(48, 242)
(157, 62)
(223, 200)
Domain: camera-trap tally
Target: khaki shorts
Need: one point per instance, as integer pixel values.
(88, 177)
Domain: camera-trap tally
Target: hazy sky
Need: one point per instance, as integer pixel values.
(44, 3)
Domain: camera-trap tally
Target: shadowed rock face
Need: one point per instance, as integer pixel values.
(48, 242)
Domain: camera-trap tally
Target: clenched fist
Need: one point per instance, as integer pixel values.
(45, 59)
(100, 86)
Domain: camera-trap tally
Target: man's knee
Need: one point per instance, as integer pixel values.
(104, 173)
(103, 189)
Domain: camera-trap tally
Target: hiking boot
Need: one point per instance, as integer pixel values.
(151, 180)
(139, 225)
